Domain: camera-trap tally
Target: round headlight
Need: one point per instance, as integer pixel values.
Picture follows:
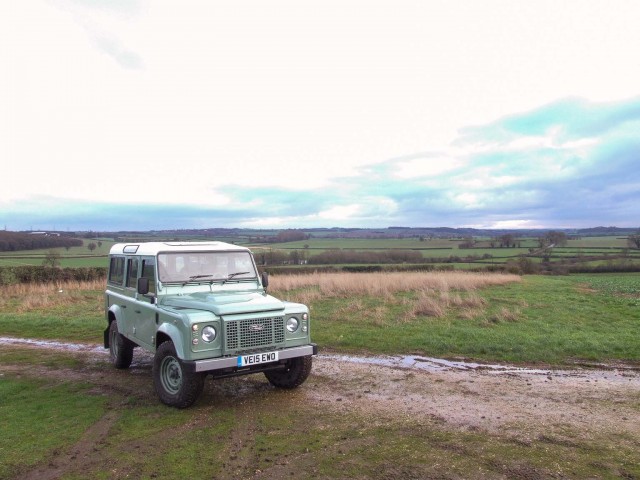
(208, 334)
(292, 324)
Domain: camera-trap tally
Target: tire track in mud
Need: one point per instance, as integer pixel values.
(524, 404)
(78, 457)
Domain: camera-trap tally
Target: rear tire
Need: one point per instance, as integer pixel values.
(120, 347)
(294, 374)
(174, 383)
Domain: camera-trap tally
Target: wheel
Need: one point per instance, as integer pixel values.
(120, 348)
(175, 385)
(294, 374)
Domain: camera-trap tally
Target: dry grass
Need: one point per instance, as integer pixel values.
(28, 297)
(506, 315)
(383, 284)
(430, 294)
(427, 306)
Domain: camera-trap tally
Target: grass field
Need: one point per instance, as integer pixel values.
(495, 318)
(72, 416)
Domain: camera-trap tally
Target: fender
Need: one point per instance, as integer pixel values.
(118, 314)
(175, 335)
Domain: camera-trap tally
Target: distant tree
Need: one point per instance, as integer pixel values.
(290, 236)
(92, 246)
(99, 243)
(507, 240)
(51, 259)
(558, 239)
(467, 242)
(634, 240)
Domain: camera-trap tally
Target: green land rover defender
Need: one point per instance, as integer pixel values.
(202, 309)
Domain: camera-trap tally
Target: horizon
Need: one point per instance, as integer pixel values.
(349, 229)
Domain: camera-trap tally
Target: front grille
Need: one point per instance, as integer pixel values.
(254, 333)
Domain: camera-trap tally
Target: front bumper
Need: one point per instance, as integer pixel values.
(231, 363)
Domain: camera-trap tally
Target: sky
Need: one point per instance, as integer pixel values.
(153, 115)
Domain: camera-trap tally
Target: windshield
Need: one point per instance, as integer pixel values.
(205, 266)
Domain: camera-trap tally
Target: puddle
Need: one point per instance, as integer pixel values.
(64, 346)
(427, 364)
(432, 364)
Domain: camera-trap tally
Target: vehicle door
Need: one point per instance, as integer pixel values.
(146, 309)
(130, 310)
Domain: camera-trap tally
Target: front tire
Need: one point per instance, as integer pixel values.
(294, 374)
(174, 383)
(120, 347)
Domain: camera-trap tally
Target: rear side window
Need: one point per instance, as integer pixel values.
(116, 270)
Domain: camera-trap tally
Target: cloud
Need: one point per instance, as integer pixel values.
(572, 163)
(112, 47)
(100, 19)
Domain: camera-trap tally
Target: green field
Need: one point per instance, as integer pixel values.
(585, 251)
(72, 415)
(542, 319)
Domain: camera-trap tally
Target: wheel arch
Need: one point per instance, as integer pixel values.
(111, 317)
(168, 332)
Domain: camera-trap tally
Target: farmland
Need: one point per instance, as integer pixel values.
(494, 375)
(566, 405)
(579, 253)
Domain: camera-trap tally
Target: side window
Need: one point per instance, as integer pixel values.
(132, 272)
(149, 271)
(116, 270)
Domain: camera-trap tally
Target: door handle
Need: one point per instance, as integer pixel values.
(137, 311)
(123, 306)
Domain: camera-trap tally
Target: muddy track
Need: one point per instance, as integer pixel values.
(468, 395)
(527, 405)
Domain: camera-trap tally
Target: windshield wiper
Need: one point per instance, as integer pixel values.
(231, 275)
(196, 277)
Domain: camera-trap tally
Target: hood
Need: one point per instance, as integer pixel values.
(227, 303)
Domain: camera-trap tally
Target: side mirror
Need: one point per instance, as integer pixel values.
(143, 289)
(143, 286)
(265, 279)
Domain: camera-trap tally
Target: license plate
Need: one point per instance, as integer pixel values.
(257, 358)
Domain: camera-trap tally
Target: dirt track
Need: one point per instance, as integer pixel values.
(524, 404)
(464, 395)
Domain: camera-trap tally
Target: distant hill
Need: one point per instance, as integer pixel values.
(270, 235)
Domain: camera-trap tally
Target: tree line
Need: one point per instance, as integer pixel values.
(14, 241)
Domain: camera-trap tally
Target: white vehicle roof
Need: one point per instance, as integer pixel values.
(153, 248)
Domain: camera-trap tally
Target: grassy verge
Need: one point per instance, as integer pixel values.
(40, 418)
(539, 319)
